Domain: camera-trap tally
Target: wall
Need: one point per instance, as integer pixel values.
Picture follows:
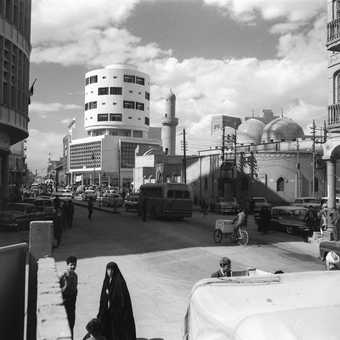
(12, 291)
(52, 321)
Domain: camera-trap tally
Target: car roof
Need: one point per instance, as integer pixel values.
(22, 204)
(290, 207)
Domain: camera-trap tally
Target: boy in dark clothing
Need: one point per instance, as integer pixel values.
(68, 285)
(225, 268)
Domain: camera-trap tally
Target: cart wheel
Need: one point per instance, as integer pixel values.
(289, 230)
(243, 241)
(218, 236)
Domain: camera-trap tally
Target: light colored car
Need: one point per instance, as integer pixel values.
(226, 206)
(89, 194)
(307, 202)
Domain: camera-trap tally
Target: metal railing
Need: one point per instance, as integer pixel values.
(333, 115)
(333, 31)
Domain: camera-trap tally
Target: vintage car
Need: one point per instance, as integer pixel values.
(131, 202)
(89, 193)
(22, 214)
(223, 206)
(307, 202)
(112, 200)
(291, 219)
(13, 220)
(265, 306)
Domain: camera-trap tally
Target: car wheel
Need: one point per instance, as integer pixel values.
(218, 236)
(289, 230)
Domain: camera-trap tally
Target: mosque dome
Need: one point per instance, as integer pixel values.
(250, 131)
(281, 129)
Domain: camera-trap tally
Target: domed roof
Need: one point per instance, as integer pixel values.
(282, 129)
(250, 131)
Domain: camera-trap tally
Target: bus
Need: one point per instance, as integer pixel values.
(171, 200)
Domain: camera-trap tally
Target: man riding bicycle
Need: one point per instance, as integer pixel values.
(241, 221)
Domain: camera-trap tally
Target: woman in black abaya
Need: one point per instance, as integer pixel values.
(115, 309)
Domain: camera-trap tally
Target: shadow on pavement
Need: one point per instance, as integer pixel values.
(126, 234)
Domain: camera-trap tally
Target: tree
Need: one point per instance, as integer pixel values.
(252, 163)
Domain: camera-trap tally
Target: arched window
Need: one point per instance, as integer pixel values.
(280, 184)
(336, 9)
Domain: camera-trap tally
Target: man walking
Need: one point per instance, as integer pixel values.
(90, 208)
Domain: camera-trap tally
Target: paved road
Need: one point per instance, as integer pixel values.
(161, 260)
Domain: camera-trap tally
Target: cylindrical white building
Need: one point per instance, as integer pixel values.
(117, 101)
(169, 123)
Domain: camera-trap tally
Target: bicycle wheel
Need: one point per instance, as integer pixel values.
(244, 238)
(218, 236)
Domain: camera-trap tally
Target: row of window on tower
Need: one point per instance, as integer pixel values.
(115, 117)
(128, 78)
(104, 91)
(127, 104)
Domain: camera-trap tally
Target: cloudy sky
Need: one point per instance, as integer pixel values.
(218, 56)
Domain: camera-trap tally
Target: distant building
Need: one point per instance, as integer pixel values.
(117, 121)
(15, 50)
(221, 121)
(267, 117)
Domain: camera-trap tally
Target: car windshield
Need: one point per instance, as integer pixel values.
(259, 200)
(311, 200)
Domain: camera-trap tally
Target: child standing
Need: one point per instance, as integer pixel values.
(68, 285)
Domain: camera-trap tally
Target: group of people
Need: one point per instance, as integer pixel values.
(115, 320)
(63, 219)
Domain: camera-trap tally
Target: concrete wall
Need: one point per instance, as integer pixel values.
(12, 291)
(52, 321)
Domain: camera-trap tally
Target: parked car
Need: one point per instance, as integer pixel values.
(131, 202)
(13, 220)
(256, 203)
(325, 200)
(46, 205)
(63, 194)
(291, 219)
(29, 211)
(112, 200)
(223, 206)
(326, 246)
(307, 202)
(89, 193)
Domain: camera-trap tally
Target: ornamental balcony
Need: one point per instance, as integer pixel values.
(333, 35)
(334, 116)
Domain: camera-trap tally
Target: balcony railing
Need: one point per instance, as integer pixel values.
(334, 115)
(333, 35)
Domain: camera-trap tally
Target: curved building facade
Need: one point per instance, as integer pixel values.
(117, 102)
(15, 49)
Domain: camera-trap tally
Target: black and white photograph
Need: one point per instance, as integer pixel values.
(169, 169)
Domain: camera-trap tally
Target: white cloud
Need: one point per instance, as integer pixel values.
(296, 11)
(51, 107)
(39, 144)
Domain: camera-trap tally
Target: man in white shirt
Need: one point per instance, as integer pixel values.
(332, 261)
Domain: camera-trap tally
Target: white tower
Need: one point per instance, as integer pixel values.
(169, 123)
(117, 101)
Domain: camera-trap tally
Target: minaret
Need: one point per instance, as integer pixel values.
(169, 123)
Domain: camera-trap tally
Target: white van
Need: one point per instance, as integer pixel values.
(304, 306)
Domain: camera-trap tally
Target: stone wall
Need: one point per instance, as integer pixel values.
(52, 321)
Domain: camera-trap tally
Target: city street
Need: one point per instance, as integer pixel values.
(161, 260)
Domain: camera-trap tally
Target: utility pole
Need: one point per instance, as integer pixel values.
(313, 160)
(324, 132)
(94, 167)
(184, 158)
